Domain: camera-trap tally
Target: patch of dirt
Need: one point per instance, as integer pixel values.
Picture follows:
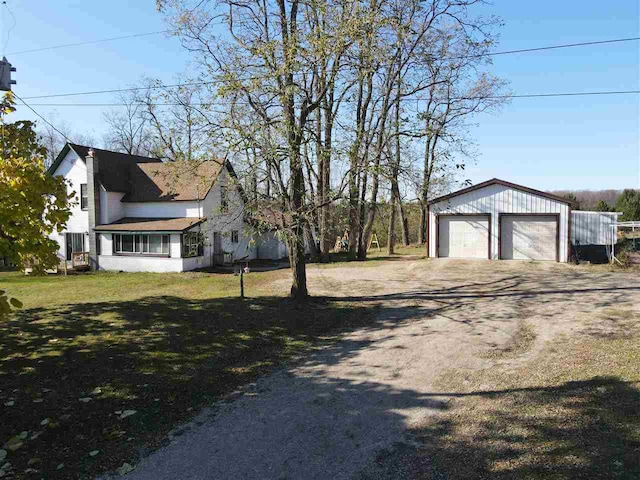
(520, 342)
(355, 405)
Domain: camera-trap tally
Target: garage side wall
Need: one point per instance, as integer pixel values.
(496, 199)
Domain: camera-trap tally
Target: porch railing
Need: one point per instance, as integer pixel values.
(80, 260)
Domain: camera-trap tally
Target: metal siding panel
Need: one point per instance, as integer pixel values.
(592, 228)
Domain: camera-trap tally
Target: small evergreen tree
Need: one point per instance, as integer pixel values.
(629, 204)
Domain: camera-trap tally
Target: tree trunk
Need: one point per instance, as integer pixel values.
(310, 241)
(422, 231)
(404, 223)
(391, 233)
(298, 266)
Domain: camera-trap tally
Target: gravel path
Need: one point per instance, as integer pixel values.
(335, 413)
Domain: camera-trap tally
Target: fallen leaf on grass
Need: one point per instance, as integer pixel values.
(128, 413)
(125, 468)
(13, 444)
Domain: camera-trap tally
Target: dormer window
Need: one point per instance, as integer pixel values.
(84, 197)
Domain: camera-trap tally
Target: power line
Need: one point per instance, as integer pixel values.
(413, 99)
(42, 118)
(553, 47)
(563, 94)
(119, 90)
(178, 85)
(90, 42)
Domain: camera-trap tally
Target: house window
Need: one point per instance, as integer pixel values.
(74, 243)
(141, 244)
(234, 236)
(192, 245)
(224, 200)
(84, 197)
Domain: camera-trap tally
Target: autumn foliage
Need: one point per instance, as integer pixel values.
(33, 204)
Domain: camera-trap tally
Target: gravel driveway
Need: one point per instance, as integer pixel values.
(336, 413)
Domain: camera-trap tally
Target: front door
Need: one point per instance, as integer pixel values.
(217, 242)
(74, 243)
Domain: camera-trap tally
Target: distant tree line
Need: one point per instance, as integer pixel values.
(625, 201)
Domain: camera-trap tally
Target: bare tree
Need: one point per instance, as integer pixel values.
(461, 90)
(129, 127)
(269, 62)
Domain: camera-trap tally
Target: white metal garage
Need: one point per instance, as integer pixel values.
(463, 236)
(498, 219)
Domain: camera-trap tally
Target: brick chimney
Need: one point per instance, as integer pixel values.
(93, 192)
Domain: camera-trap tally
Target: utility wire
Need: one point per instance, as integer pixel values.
(413, 99)
(42, 118)
(90, 42)
(553, 47)
(5, 40)
(119, 90)
(178, 85)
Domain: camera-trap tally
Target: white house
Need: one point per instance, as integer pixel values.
(137, 213)
(501, 220)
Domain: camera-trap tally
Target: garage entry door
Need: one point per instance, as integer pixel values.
(528, 237)
(463, 236)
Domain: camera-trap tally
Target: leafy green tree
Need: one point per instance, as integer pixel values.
(629, 204)
(602, 206)
(32, 203)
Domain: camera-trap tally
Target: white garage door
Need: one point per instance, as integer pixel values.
(528, 237)
(463, 236)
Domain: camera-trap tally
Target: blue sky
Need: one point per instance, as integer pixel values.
(551, 143)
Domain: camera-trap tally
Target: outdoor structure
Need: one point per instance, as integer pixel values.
(594, 235)
(137, 213)
(632, 230)
(501, 220)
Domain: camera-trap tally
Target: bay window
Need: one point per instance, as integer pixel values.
(141, 244)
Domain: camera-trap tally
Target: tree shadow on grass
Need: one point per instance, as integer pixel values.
(68, 373)
(586, 429)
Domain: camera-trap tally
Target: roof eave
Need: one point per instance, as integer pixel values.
(497, 181)
(56, 163)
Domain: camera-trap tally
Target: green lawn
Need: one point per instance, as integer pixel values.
(99, 367)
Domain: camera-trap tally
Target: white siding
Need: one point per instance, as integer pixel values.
(226, 222)
(495, 199)
(141, 263)
(270, 247)
(163, 209)
(593, 228)
(74, 170)
(111, 207)
(120, 263)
